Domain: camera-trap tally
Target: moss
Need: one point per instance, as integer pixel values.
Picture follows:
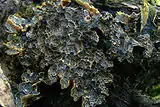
(155, 92)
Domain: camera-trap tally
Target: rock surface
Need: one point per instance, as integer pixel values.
(6, 97)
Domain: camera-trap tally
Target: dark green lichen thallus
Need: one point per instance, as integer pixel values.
(75, 43)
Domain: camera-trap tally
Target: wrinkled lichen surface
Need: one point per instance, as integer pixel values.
(81, 44)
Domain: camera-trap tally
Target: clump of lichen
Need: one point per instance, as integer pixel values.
(70, 49)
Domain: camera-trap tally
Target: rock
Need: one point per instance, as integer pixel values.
(6, 97)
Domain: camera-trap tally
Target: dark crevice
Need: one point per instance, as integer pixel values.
(37, 1)
(125, 70)
(104, 42)
(54, 96)
(138, 51)
(157, 45)
(99, 33)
